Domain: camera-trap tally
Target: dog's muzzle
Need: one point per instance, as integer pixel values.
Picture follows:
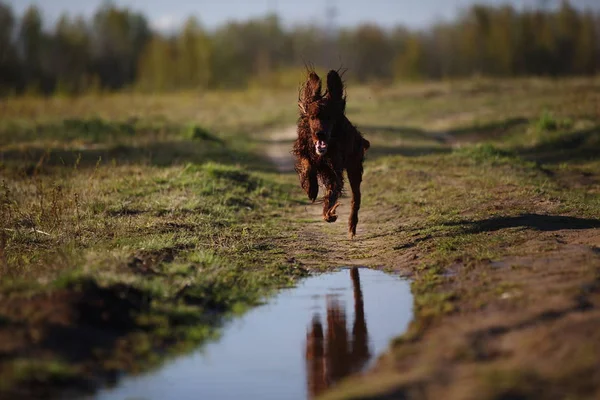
(321, 147)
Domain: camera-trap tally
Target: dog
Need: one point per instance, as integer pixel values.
(327, 144)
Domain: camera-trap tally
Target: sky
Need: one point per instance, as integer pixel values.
(169, 14)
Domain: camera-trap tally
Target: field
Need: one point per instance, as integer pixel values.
(132, 226)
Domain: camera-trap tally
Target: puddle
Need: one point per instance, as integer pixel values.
(303, 341)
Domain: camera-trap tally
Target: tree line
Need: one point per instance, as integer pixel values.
(117, 49)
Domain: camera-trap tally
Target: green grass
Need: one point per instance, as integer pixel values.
(25, 370)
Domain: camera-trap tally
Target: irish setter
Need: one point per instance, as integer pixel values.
(328, 144)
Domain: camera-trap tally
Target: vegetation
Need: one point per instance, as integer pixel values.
(133, 233)
(137, 224)
(117, 49)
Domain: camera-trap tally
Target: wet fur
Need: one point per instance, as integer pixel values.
(345, 151)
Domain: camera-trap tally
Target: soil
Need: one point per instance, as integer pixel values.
(81, 323)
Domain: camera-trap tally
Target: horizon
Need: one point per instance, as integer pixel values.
(169, 16)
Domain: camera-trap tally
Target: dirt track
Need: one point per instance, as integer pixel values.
(316, 233)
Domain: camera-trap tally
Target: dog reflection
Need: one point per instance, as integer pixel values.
(336, 353)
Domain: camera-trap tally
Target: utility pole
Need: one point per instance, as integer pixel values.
(272, 7)
(331, 13)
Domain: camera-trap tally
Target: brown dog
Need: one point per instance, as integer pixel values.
(328, 144)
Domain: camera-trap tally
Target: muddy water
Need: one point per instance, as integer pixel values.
(305, 340)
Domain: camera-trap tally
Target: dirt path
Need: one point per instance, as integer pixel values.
(279, 147)
(314, 235)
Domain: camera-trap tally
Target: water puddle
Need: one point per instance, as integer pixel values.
(303, 341)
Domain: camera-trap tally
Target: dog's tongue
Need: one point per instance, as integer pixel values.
(321, 144)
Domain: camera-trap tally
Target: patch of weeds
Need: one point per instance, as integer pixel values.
(451, 244)
(196, 132)
(427, 277)
(152, 288)
(201, 333)
(164, 242)
(178, 269)
(19, 285)
(68, 279)
(548, 122)
(38, 371)
(233, 174)
(288, 274)
(179, 314)
(487, 153)
(205, 257)
(512, 384)
(429, 297)
(231, 186)
(219, 293)
(237, 202)
(96, 127)
(435, 303)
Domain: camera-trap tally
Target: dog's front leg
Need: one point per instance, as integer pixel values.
(334, 183)
(308, 178)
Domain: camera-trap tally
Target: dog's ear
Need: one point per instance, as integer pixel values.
(335, 86)
(312, 88)
(311, 91)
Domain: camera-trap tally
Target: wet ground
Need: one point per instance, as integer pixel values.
(299, 344)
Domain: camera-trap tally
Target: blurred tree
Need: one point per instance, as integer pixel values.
(544, 57)
(475, 31)
(244, 50)
(410, 63)
(118, 37)
(585, 57)
(157, 65)
(441, 56)
(30, 45)
(568, 26)
(116, 49)
(194, 56)
(71, 58)
(10, 79)
(367, 53)
(307, 45)
(501, 42)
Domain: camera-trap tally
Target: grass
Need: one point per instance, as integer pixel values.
(160, 217)
(24, 370)
(159, 228)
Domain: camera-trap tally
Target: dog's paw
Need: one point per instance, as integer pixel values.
(313, 192)
(352, 232)
(330, 215)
